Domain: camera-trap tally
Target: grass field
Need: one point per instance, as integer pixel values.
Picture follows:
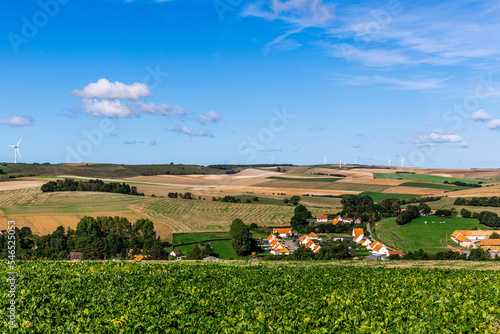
(433, 185)
(432, 237)
(421, 177)
(377, 197)
(262, 200)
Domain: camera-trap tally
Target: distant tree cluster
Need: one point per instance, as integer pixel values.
(489, 218)
(200, 252)
(479, 201)
(357, 204)
(187, 195)
(92, 185)
(463, 184)
(476, 254)
(96, 238)
(408, 215)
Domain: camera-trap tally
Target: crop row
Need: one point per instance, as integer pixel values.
(104, 297)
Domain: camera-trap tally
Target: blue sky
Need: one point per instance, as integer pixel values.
(230, 81)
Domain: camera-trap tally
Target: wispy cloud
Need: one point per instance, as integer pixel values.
(200, 133)
(315, 128)
(401, 83)
(17, 121)
(209, 117)
(133, 142)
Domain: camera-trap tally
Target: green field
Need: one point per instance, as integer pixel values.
(173, 297)
(433, 186)
(432, 237)
(421, 177)
(377, 197)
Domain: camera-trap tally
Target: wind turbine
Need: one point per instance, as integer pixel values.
(356, 160)
(403, 162)
(325, 160)
(388, 159)
(340, 164)
(16, 150)
(272, 159)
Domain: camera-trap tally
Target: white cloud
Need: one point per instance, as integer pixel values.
(439, 137)
(210, 117)
(200, 133)
(315, 128)
(494, 124)
(103, 89)
(107, 108)
(481, 115)
(17, 121)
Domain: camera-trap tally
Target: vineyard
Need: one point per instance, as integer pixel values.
(106, 297)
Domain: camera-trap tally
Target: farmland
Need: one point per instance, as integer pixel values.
(432, 237)
(110, 297)
(421, 177)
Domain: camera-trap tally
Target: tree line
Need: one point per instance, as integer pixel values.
(96, 238)
(478, 201)
(476, 254)
(91, 185)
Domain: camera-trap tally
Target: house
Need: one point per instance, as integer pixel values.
(490, 244)
(176, 253)
(137, 257)
(373, 245)
(358, 221)
(283, 232)
(313, 236)
(322, 218)
(358, 231)
(75, 256)
(380, 249)
(347, 221)
(304, 239)
(316, 249)
(462, 240)
(211, 258)
(365, 242)
(400, 253)
(336, 222)
(358, 238)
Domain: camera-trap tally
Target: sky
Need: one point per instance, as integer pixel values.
(248, 82)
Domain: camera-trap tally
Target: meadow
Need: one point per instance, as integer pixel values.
(173, 297)
(432, 237)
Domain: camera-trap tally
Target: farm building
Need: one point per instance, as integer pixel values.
(283, 232)
(490, 244)
(322, 218)
(358, 231)
(380, 249)
(176, 253)
(75, 256)
(400, 253)
(313, 236)
(358, 221)
(467, 238)
(336, 222)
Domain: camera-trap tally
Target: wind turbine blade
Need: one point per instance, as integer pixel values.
(19, 141)
(10, 145)
(18, 153)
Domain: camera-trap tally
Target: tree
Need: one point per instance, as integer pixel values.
(286, 200)
(465, 213)
(295, 200)
(299, 219)
(495, 235)
(424, 208)
(241, 238)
